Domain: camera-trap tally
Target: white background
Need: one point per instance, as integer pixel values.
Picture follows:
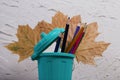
(105, 12)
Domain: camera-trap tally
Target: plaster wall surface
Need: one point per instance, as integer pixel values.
(105, 12)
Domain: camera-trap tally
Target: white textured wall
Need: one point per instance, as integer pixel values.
(105, 12)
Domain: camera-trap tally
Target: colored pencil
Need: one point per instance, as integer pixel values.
(76, 31)
(57, 44)
(77, 43)
(65, 36)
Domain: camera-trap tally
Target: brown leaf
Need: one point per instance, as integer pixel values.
(86, 52)
(25, 44)
(42, 27)
(59, 20)
(91, 32)
(88, 48)
(87, 55)
(75, 19)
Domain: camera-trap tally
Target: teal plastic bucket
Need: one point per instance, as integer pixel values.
(55, 66)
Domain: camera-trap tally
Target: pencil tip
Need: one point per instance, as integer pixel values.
(85, 27)
(68, 17)
(68, 21)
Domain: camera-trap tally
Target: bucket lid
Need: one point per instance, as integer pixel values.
(46, 41)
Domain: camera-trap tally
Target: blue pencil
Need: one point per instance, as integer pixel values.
(57, 44)
(76, 31)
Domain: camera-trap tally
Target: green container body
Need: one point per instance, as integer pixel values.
(52, 65)
(55, 66)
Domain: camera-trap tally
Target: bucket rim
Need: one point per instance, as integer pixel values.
(57, 54)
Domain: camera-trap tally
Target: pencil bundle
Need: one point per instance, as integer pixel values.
(74, 43)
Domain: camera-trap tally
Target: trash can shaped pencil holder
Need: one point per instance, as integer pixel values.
(52, 65)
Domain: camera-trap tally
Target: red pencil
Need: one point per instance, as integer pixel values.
(78, 42)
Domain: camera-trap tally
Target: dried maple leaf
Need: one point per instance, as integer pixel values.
(27, 37)
(25, 44)
(59, 20)
(88, 48)
(42, 27)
